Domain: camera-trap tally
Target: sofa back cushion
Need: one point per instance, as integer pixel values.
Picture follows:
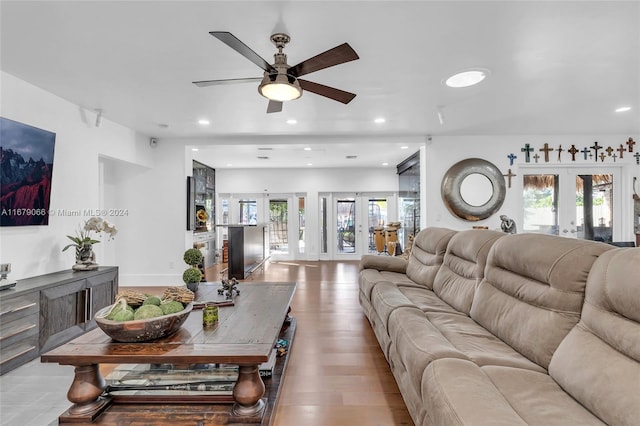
(463, 267)
(427, 253)
(533, 289)
(598, 363)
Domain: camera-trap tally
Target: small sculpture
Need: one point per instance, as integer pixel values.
(229, 288)
(508, 225)
(85, 258)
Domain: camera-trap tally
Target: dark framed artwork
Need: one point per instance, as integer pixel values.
(26, 171)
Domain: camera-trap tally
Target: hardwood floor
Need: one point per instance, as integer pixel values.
(337, 374)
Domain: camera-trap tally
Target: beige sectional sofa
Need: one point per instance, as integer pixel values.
(485, 328)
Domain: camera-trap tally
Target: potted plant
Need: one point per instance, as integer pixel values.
(83, 242)
(192, 276)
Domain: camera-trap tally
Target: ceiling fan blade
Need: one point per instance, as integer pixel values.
(326, 91)
(274, 106)
(205, 83)
(336, 56)
(234, 43)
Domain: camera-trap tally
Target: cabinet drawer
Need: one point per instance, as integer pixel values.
(18, 307)
(14, 331)
(15, 355)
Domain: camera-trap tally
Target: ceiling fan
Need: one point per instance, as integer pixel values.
(281, 82)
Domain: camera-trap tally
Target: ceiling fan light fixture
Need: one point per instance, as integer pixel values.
(280, 89)
(467, 78)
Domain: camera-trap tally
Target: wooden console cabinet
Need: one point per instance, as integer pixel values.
(43, 312)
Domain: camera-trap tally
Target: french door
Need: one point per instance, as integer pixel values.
(348, 220)
(573, 202)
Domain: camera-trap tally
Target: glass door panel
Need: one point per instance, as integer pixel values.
(346, 225)
(301, 225)
(278, 226)
(540, 197)
(376, 219)
(594, 207)
(248, 212)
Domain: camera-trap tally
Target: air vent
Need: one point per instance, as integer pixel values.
(262, 158)
(265, 149)
(351, 157)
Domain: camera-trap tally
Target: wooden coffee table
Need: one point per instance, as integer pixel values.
(245, 336)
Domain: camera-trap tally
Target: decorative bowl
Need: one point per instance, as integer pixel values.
(142, 330)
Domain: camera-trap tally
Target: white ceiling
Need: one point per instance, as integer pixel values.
(557, 68)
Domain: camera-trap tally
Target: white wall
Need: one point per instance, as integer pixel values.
(35, 250)
(444, 151)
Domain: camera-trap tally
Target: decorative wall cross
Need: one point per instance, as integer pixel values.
(609, 151)
(509, 175)
(602, 157)
(637, 155)
(621, 150)
(614, 157)
(559, 152)
(546, 150)
(631, 143)
(511, 157)
(573, 151)
(585, 152)
(527, 151)
(536, 157)
(596, 148)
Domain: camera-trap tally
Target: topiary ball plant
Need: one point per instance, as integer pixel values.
(191, 278)
(192, 256)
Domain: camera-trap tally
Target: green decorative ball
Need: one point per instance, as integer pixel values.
(148, 311)
(152, 300)
(192, 275)
(192, 256)
(171, 307)
(124, 315)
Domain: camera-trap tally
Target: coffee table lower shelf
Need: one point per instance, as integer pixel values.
(120, 411)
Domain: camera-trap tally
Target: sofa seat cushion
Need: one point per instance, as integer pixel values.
(427, 300)
(386, 297)
(417, 343)
(370, 277)
(478, 344)
(420, 338)
(462, 393)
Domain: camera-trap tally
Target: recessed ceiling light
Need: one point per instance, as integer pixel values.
(467, 78)
(292, 121)
(204, 122)
(309, 164)
(307, 148)
(194, 149)
(404, 147)
(229, 164)
(623, 109)
(385, 164)
(379, 120)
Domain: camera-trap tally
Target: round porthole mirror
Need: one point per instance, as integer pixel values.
(473, 189)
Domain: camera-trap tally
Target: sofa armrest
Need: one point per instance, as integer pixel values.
(383, 263)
